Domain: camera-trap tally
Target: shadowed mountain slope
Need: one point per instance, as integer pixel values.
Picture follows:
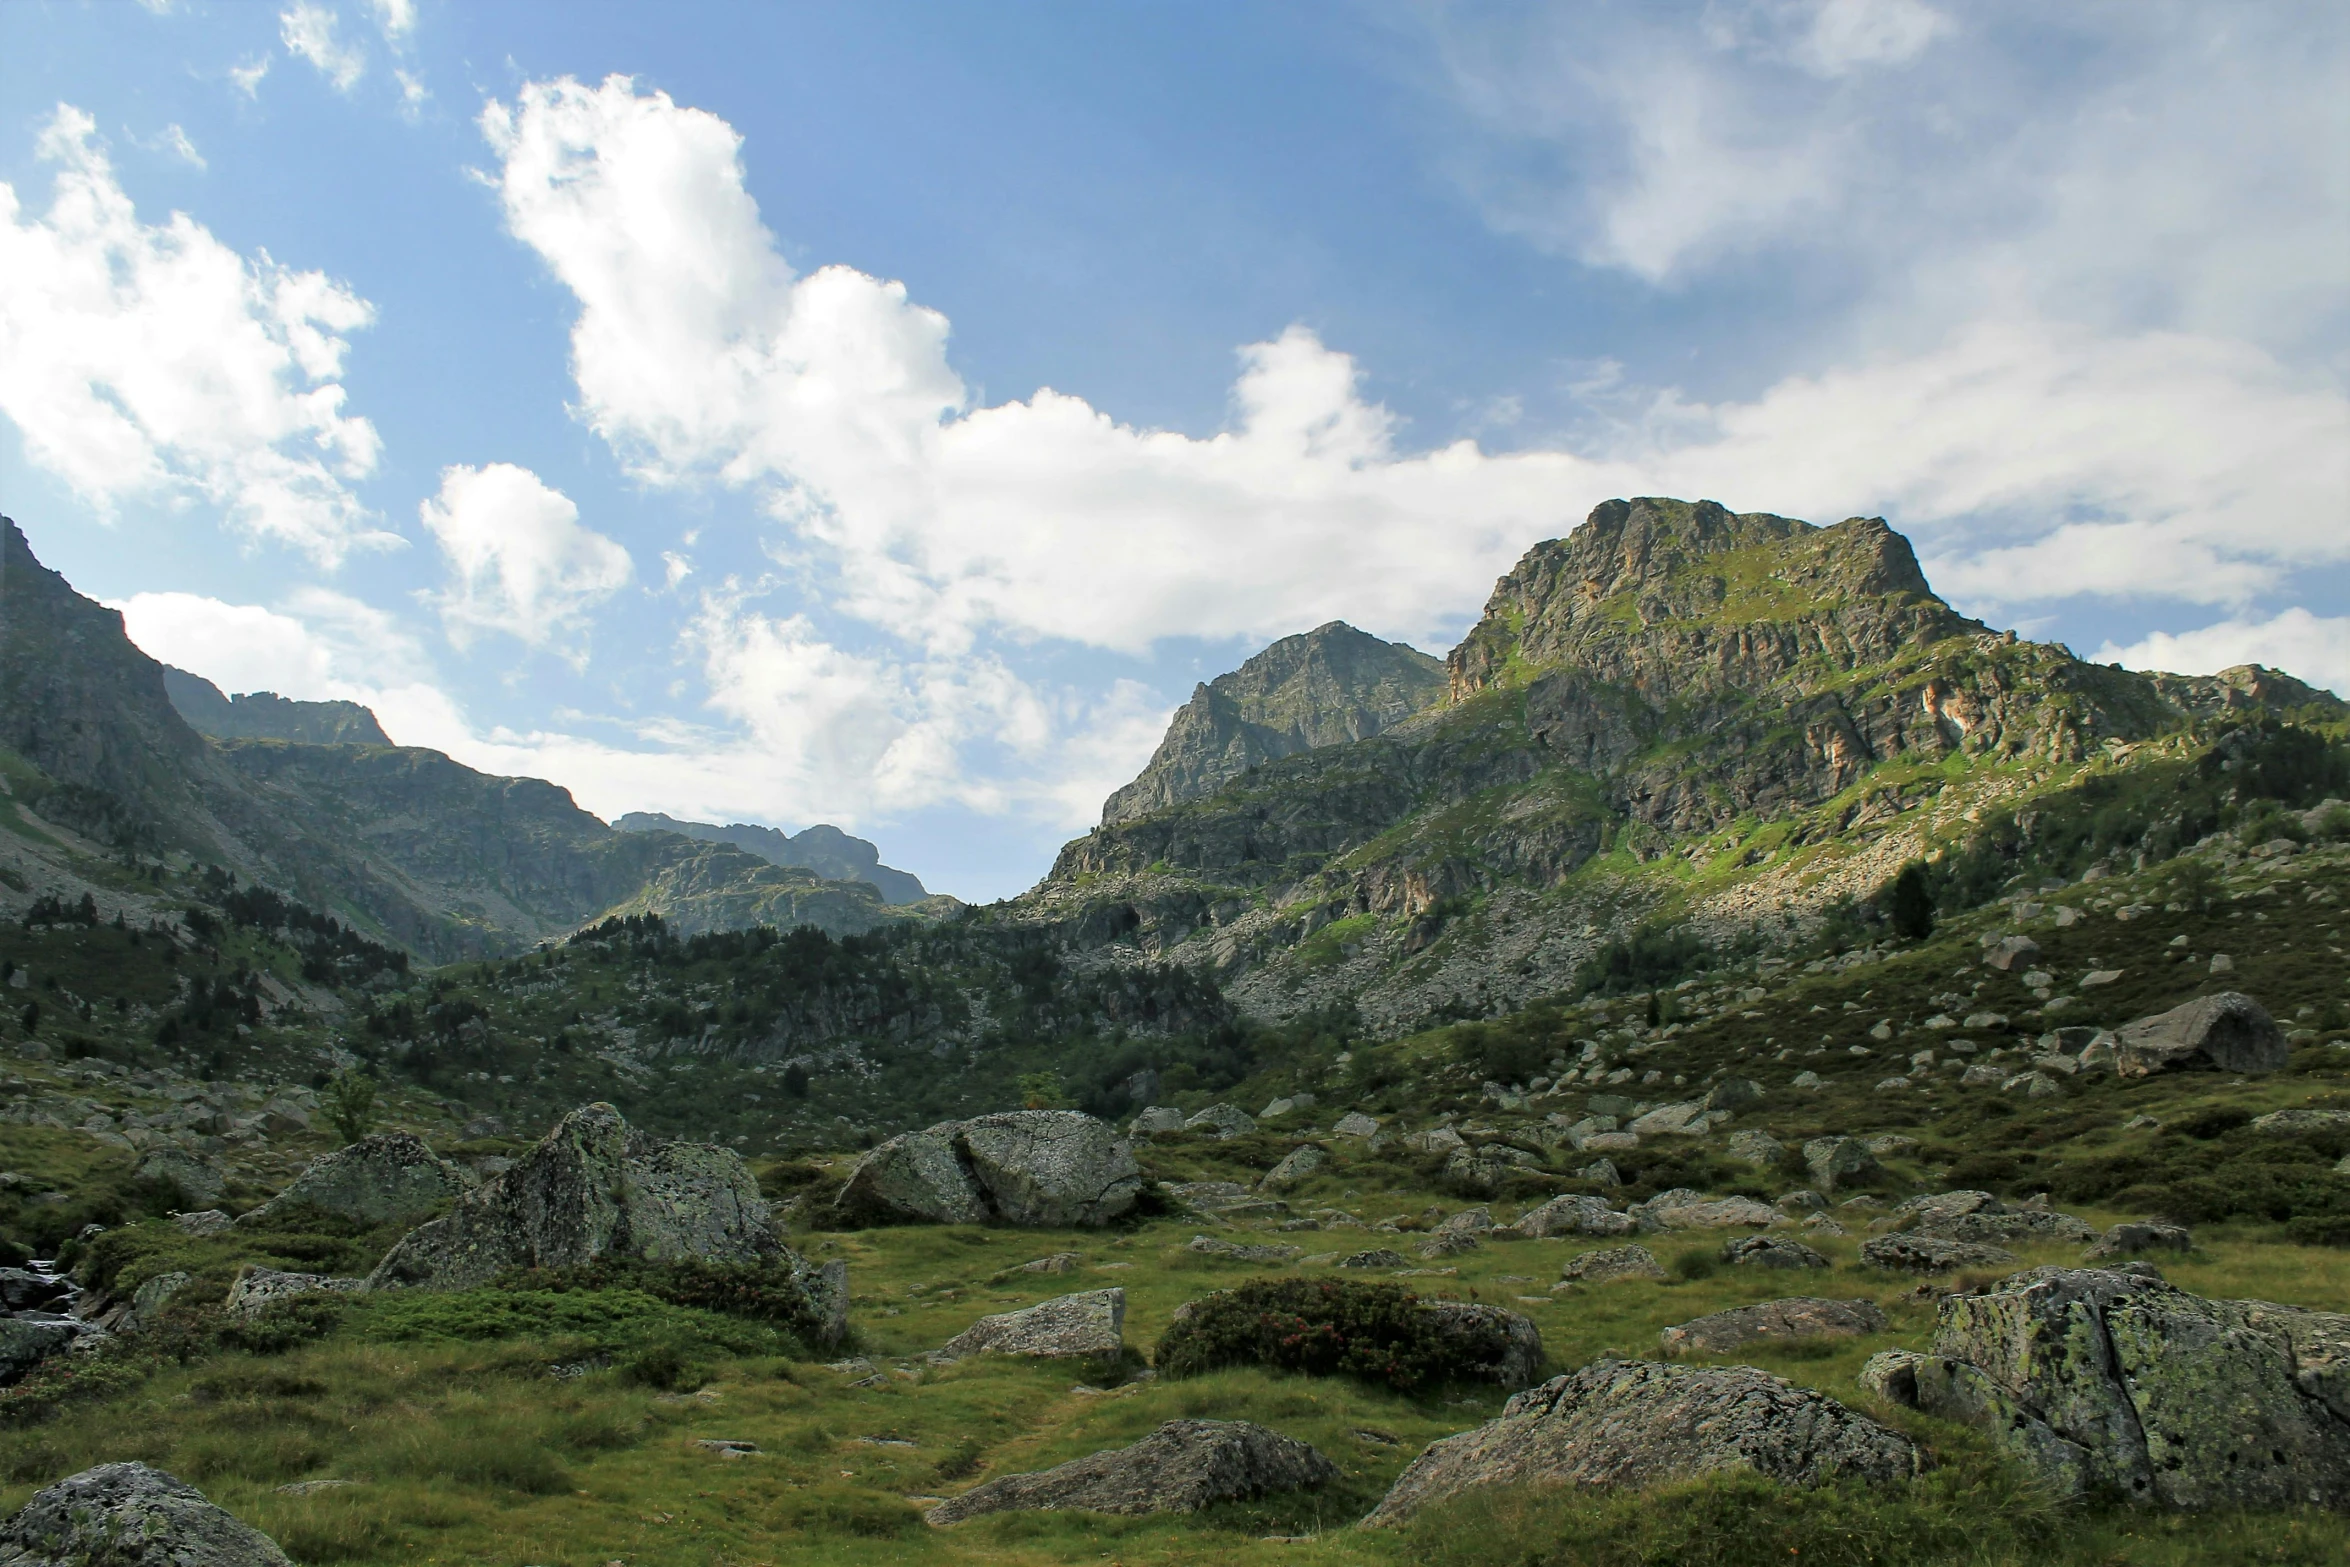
(823, 848)
(264, 715)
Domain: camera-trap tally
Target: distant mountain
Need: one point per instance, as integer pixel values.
(264, 715)
(824, 849)
(1326, 687)
(101, 777)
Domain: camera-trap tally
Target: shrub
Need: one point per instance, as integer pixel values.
(1380, 1333)
(282, 1326)
(761, 1292)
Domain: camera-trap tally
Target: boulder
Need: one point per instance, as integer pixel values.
(1800, 1317)
(1930, 1254)
(1839, 1161)
(1090, 1323)
(1770, 1251)
(381, 1177)
(2007, 1225)
(1156, 1121)
(1754, 1147)
(2130, 1238)
(914, 1175)
(1437, 1139)
(1469, 1221)
(149, 1299)
(207, 1221)
(1239, 1251)
(257, 1289)
(128, 1515)
(2287, 1123)
(1484, 1169)
(1448, 1243)
(2113, 1383)
(593, 1187)
(1570, 1215)
(2229, 1032)
(25, 1343)
(1630, 1423)
(1050, 1168)
(1610, 1264)
(1379, 1258)
(1520, 1359)
(1294, 1167)
(2011, 953)
(1354, 1124)
(1222, 1121)
(1600, 1172)
(1734, 1094)
(197, 1180)
(1181, 1467)
(1058, 1262)
(23, 1290)
(1682, 1209)
(1687, 1119)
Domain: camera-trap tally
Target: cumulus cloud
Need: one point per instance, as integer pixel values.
(308, 32)
(519, 561)
(247, 77)
(152, 361)
(396, 19)
(2314, 647)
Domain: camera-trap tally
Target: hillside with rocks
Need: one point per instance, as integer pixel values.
(823, 849)
(264, 715)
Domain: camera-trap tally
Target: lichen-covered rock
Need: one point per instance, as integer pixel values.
(1222, 1121)
(1796, 1318)
(914, 1175)
(1611, 1263)
(593, 1187)
(23, 1290)
(149, 1299)
(2229, 1032)
(198, 1180)
(206, 1221)
(1379, 1258)
(1979, 1216)
(1570, 1215)
(1354, 1124)
(1636, 1424)
(2287, 1123)
(1181, 1467)
(1734, 1094)
(24, 1344)
(1241, 1251)
(381, 1177)
(1090, 1323)
(1682, 1209)
(1770, 1251)
(1930, 1254)
(257, 1289)
(1839, 1161)
(1050, 1168)
(1520, 1359)
(1294, 1167)
(1483, 1170)
(2114, 1383)
(1156, 1121)
(2133, 1236)
(1755, 1147)
(128, 1515)
(1449, 1243)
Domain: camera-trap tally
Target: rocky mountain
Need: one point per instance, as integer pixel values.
(823, 848)
(107, 781)
(1677, 710)
(264, 715)
(1329, 686)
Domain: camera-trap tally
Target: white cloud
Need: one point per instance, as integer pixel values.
(308, 32)
(173, 139)
(247, 77)
(153, 361)
(396, 19)
(519, 561)
(413, 92)
(2314, 647)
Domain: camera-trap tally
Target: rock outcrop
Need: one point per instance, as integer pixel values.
(1091, 1323)
(1570, 1215)
(384, 1176)
(128, 1515)
(1682, 1209)
(257, 1289)
(26, 1342)
(593, 1187)
(197, 1180)
(1631, 1423)
(2113, 1384)
(2229, 1032)
(1931, 1254)
(1181, 1467)
(1770, 1251)
(1611, 1263)
(1050, 1168)
(1519, 1361)
(1800, 1317)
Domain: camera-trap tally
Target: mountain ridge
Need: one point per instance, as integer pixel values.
(822, 848)
(264, 715)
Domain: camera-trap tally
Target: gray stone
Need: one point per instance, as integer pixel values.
(1222, 1121)
(1181, 1467)
(1156, 1121)
(1638, 1424)
(1801, 1200)
(257, 1289)
(1570, 1215)
(1484, 1169)
(1689, 1118)
(1050, 1168)
(1930, 1254)
(1437, 1139)
(1770, 1251)
(149, 1299)
(128, 1515)
(1239, 1251)
(25, 1344)
(1294, 1167)
(1610, 1264)
(1890, 1145)
(1448, 1243)
(1734, 1094)
(197, 1180)
(2114, 1383)
(2228, 1032)
(207, 1221)
(2286, 1123)
(2129, 1238)
(1520, 1359)
(1755, 1147)
(1354, 1124)
(1839, 1161)
(1376, 1259)
(1800, 1317)
(1682, 1209)
(2011, 953)
(23, 1290)
(1091, 1323)
(1600, 1172)
(381, 1177)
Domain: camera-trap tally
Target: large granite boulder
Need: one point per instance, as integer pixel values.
(1222, 1121)
(1156, 1121)
(1632, 1423)
(1519, 1360)
(1610, 1264)
(1570, 1215)
(2229, 1032)
(1181, 1467)
(1800, 1317)
(257, 1289)
(381, 1177)
(593, 1187)
(1294, 1167)
(128, 1515)
(1090, 1323)
(1054, 1168)
(1683, 1209)
(2115, 1384)
(1484, 1169)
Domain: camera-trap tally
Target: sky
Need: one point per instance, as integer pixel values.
(885, 414)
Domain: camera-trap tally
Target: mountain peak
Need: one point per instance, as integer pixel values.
(264, 715)
(1322, 687)
(823, 848)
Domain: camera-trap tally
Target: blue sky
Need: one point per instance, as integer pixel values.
(884, 415)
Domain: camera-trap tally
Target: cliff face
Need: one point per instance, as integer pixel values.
(1676, 706)
(823, 849)
(264, 715)
(1329, 686)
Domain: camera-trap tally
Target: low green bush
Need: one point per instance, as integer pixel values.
(759, 1292)
(1379, 1333)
